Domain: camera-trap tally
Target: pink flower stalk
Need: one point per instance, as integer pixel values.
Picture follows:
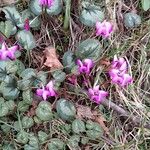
(27, 25)
(47, 91)
(118, 72)
(104, 29)
(85, 65)
(6, 52)
(46, 3)
(97, 95)
(73, 79)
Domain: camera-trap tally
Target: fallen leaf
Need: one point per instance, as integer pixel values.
(51, 59)
(84, 112)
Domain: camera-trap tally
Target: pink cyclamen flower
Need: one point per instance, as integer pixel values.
(47, 91)
(43, 92)
(97, 95)
(119, 63)
(46, 3)
(50, 87)
(118, 72)
(6, 52)
(104, 29)
(85, 66)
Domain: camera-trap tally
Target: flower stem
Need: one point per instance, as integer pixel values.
(67, 14)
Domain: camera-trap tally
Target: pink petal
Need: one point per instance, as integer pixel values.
(123, 67)
(45, 94)
(3, 55)
(127, 79)
(96, 88)
(39, 92)
(4, 47)
(117, 80)
(91, 92)
(89, 64)
(50, 2)
(113, 73)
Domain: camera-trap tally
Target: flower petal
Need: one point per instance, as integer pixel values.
(127, 79)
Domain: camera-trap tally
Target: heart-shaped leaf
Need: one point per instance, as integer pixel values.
(44, 111)
(27, 96)
(22, 137)
(68, 61)
(42, 136)
(65, 109)
(27, 122)
(56, 144)
(132, 20)
(26, 39)
(78, 126)
(89, 48)
(59, 75)
(91, 14)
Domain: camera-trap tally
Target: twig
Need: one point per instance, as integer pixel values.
(135, 119)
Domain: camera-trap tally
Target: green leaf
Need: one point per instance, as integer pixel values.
(26, 39)
(91, 14)
(20, 66)
(84, 140)
(8, 147)
(34, 21)
(145, 4)
(33, 141)
(93, 130)
(28, 73)
(40, 78)
(89, 48)
(132, 20)
(22, 137)
(68, 61)
(17, 126)
(65, 109)
(29, 147)
(59, 75)
(7, 28)
(11, 105)
(78, 126)
(9, 88)
(11, 13)
(42, 136)
(56, 8)
(56, 144)
(27, 96)
(27, 122)
(35, 7)
(5, 128)
(7, 67)
(74, 141)
(3, 109)
(43, 111)
(23, 106)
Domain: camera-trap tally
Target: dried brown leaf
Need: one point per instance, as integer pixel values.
(51, 59)
(84, 112)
